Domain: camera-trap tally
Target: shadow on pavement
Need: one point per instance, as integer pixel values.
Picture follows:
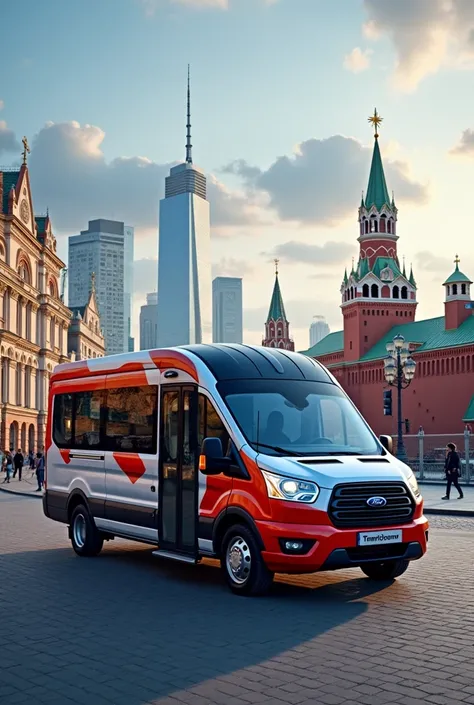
(147, 628)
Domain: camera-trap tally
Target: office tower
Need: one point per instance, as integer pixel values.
(148, 323)
(227, 310)
(318, 330)
(184, 267)
(128, 285)
(103, 249)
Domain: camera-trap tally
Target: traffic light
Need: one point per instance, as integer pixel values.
(387, 402)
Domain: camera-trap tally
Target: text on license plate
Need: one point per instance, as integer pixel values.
(375, 538)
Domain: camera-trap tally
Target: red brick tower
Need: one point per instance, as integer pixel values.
(277, 327)
(377, 294)
(458, 294)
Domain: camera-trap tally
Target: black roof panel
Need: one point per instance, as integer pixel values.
(228, 362)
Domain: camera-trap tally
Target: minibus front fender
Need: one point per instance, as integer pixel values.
(230, 517)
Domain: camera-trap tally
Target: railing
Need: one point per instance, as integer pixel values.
(426, 454)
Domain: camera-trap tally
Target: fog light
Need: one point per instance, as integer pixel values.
(293, 545)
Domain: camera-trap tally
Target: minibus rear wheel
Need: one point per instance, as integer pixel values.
(85, 539)
(386, 570)
(242, 563)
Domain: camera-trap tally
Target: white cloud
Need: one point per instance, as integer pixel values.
(8, 141)
(2, 104)
(426, 35)
(320, 182)
(304, 253)
(465, 146)
(357, 60)
(429, 262)
(230, 267)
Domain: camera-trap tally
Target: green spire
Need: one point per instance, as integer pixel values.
(277, 309)
(377, 192)
(345, 276)
(404, 272)
(412, 278)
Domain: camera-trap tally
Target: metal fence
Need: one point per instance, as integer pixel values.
(426, 454)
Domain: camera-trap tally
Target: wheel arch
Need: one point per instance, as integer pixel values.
(230, 517)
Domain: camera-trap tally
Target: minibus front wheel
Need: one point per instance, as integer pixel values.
(85, 539)
(242, 563)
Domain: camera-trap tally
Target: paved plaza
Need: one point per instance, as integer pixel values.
(127, 629)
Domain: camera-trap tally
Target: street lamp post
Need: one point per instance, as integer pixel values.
(399, 370)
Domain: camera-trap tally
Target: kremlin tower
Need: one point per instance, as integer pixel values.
(277, 327)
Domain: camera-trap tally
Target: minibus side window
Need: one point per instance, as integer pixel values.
(62, 420)
(210, 424)
(131, 419)
(87, 419)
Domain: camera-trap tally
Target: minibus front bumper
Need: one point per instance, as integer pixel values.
(328, 548)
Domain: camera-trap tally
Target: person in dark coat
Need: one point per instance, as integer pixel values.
(452, 469)
(18, 461)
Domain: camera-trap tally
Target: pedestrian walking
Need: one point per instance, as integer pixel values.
(18, 461)
(40, 471)
(452, 469)
(8, 466)
(31, 462)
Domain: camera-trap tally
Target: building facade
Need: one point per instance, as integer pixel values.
(379, 301)
(85, 338)
(149, 323)
(33, 319)
(227, 310)
(318, 330)
(184, 264)
(277, 326)
(106, 249)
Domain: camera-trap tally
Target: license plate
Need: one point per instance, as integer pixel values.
(377, 538)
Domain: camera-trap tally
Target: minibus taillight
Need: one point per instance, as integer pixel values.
(202, 462)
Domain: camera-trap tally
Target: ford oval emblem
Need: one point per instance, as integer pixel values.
(376, 501)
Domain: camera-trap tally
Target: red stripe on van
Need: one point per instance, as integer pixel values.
(65, 455)
(131, 464)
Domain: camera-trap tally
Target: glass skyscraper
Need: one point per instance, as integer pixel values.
(184, 265)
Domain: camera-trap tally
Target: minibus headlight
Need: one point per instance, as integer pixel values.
(413, 484)
(290, 489)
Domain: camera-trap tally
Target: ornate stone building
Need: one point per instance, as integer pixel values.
(277, 327)
(33, 319)
(85, 337)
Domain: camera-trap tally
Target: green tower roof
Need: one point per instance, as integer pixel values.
(377, 192)
(457, 277)
(277, 309)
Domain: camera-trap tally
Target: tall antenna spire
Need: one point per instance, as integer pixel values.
(189, 146)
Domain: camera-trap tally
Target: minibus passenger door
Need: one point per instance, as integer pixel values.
(178, 469)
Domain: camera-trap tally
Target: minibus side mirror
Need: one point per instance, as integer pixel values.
(212, 460)
(387, 443)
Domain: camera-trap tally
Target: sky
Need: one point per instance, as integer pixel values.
(281, 93)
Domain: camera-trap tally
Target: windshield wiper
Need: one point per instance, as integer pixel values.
(277, 448)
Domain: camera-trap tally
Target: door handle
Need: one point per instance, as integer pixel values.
(153, 488)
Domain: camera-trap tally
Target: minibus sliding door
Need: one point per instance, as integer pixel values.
(178, 469)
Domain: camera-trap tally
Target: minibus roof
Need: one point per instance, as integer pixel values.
(226, 362)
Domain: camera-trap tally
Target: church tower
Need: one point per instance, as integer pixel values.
(378, 293)
(277, 327)
(457, 305)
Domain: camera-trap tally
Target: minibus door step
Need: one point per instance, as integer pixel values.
(175, 556)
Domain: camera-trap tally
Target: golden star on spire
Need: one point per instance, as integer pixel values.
(375, 120)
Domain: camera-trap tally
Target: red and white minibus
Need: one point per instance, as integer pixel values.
(252, 455)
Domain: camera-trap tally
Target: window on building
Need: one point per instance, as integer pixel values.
(131, 419)
(366, 339)
(365, 323)
(374, 290)
(365, 291)
(404, 292)
(463, 289)
(350, 345)
(455, 289)
(389, 226)
(396, 292)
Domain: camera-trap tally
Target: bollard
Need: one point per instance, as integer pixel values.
(421, 469)
(466, 455)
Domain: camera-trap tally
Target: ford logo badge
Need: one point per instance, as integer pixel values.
(376, 501)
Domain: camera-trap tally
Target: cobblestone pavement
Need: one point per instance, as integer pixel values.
(127, 629)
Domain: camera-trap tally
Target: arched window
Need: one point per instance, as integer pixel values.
(374, 291)
(449, 290)
(365, 290)
(396, 292)
(389, 226)
(366, 227)
(455, 289)
(463, 289)
(279, 332)
(28, 321)
(383, 222)
(2, 252)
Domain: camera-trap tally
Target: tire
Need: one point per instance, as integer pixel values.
(85, 539)
(242, 563)
(385, 570)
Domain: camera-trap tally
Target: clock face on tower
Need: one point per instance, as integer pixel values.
(24, 211)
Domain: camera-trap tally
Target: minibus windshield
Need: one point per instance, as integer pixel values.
(298, 417)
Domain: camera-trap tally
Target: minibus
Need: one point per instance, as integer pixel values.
(251, 455)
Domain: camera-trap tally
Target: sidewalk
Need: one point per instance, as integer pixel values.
(26, 487)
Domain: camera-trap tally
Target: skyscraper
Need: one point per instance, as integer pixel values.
(148, 323)
(184, 267)
(105, 248)
(227, 310)
(318, 330)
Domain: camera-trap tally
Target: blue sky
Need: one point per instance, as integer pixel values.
(266, 77)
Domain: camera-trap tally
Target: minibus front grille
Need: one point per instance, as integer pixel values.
(349, 508)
